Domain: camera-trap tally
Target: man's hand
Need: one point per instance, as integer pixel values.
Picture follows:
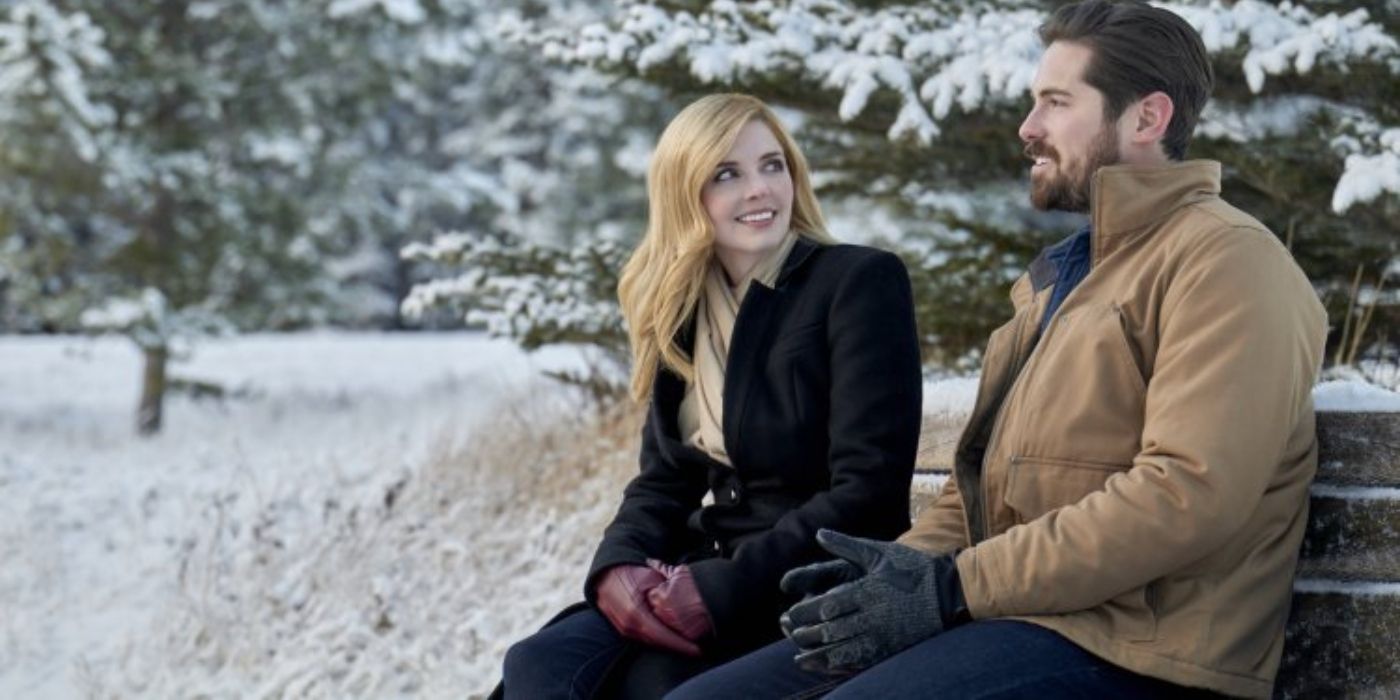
(820, 577)
(622, 598)
(887, 599)
(677, 602)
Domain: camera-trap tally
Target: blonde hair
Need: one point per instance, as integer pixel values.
(661, 282)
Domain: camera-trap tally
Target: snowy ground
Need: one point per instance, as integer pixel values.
(336, 530)
(100, 528)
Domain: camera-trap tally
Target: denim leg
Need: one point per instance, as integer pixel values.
(566, 660)
(1002, 659)
(765, 674)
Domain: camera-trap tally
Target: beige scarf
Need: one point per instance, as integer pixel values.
(701, 416)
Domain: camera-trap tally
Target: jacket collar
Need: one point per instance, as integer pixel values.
(801, 251)
(1128, 199)
(756, 316)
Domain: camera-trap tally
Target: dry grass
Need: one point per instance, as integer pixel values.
(414, 588)
(938, 439)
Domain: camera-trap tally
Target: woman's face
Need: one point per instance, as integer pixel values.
(749, 200)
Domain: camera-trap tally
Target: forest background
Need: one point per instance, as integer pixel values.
(181, 168)
(266, 224)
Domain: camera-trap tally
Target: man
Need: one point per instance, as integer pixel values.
(1130, 493)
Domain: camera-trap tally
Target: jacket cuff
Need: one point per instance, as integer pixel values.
(952, 598)
(978, 588)
(732, 598)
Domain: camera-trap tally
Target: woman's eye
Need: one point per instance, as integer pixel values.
(775, 166)
(725, 174)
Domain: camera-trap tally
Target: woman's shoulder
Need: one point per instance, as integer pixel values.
(850, 258)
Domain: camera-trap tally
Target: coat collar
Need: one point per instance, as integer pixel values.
(752, 332)
(801, 251)
(1128, 199)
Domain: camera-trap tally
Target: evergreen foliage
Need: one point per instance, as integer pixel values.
(254, 164)
(258, 164)
(910, 110)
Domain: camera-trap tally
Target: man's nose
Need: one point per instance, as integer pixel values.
(1031, 128)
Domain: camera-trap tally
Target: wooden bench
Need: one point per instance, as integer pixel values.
(1343, 636)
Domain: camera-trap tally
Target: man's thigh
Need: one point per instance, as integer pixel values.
(1000, 659)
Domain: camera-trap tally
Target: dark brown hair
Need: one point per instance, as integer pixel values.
(1138, 50)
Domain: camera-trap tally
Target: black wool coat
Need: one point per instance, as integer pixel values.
(822, 408)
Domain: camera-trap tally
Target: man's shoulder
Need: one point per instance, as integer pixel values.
(1215, 236)
(1215, 222)
(1224, 216)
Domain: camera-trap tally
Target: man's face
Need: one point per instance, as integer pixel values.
(1066, 136)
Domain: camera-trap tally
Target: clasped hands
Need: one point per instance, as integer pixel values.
(656, 604)
(876, 600)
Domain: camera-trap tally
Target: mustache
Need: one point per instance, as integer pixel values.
(1038, 149)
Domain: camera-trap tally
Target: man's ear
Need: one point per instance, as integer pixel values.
(1151, 118)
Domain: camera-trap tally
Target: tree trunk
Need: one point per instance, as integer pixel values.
(148, 414)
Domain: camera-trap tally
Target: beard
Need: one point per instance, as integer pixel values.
(1065, 191)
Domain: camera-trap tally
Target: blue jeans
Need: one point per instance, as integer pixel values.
(980, 660)
(581, 656)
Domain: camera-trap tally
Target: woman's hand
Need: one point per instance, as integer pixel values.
(623, 599)
(677, 601)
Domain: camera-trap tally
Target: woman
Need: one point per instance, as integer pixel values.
(783, 377)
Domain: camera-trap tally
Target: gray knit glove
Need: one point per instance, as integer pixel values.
(887, 597)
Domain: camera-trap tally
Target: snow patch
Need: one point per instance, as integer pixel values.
(1354, 396)
(1367, 588)
(108, 537)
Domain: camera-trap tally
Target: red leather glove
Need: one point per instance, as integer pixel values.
(622, 598)
(677, 601)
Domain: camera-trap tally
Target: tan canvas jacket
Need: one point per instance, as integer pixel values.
(1137, 479)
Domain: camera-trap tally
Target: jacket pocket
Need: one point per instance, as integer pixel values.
(1132, 363)
(1035, 485)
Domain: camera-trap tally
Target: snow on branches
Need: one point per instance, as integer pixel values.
(930, 58)
(148, 319)
(533, 294)
(44, 54)
(1371, 170)
(933, 58)
(1285, 36)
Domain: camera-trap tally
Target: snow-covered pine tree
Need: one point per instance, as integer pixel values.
(567, 149)
(259, 164)
(909, 113)
(212, 156)
(162, 179)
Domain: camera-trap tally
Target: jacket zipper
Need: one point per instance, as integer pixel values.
(1019, 363)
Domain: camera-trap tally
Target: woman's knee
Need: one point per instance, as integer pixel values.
(569, 657)
(519, 654)
(523, 663)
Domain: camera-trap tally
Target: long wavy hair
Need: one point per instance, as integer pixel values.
(661, 283)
